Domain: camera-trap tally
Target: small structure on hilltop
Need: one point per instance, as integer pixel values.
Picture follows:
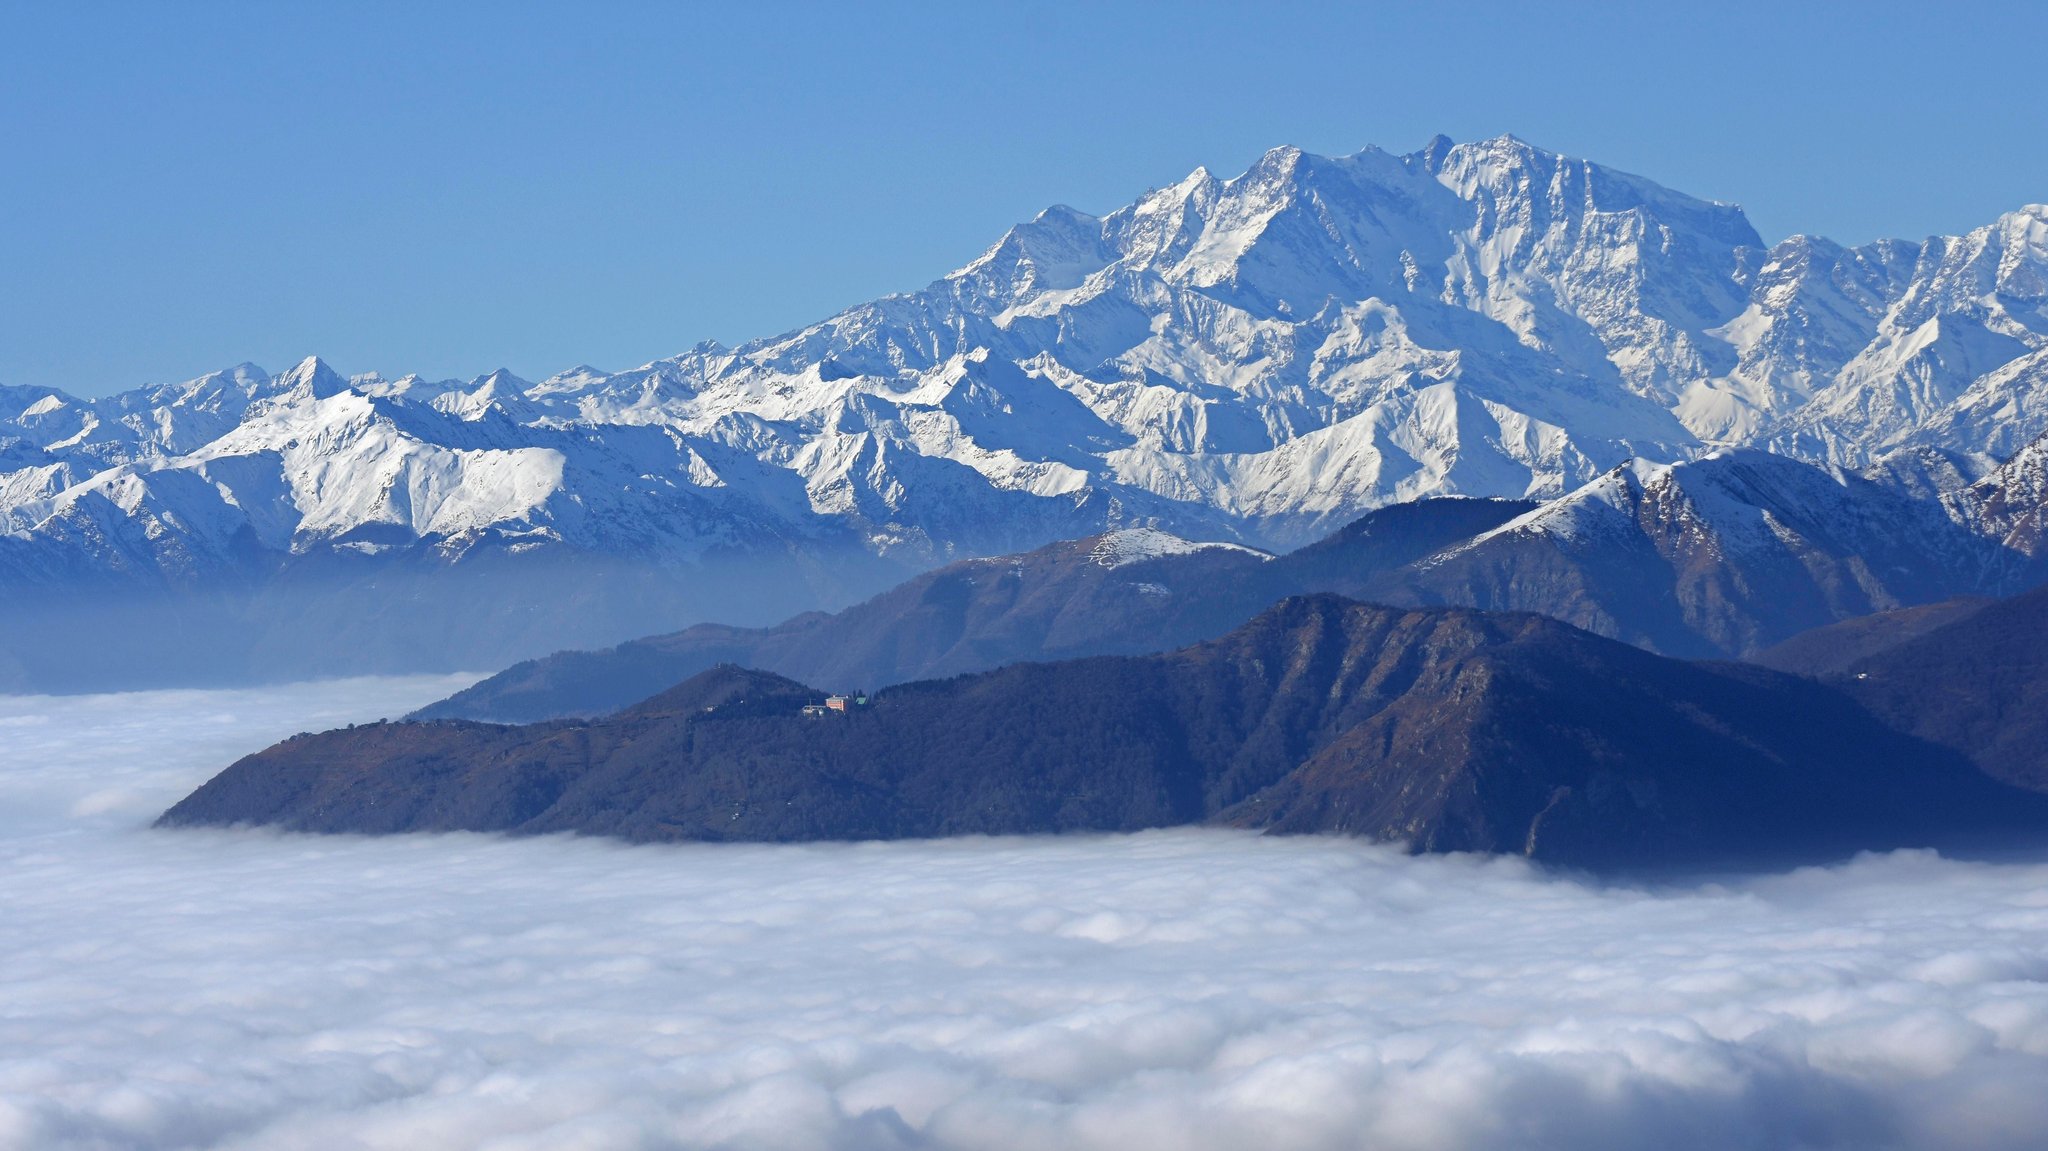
(836, 704)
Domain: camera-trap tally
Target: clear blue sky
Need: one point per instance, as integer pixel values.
(450, 188)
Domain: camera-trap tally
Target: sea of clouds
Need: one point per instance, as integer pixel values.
(1157, 991)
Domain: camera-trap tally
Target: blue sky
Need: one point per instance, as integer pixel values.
(451, 188)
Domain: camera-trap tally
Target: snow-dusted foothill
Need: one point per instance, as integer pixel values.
(1135, 545)
(1720, 555)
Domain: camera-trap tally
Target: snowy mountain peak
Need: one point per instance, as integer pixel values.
(1432, 155)
(310, 378)
(248, 375)
(1276, 164)
(500, 393)
(2026, 226)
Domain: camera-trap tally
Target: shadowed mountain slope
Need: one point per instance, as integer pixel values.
(1831, 649)
(1447, 729)
(1978, 685)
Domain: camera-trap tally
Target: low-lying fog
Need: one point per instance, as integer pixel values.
(1158, 991)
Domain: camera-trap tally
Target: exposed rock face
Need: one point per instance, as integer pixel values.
(1448, 729)
(2010, 506)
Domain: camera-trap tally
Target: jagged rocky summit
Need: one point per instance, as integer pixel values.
(1257, 359)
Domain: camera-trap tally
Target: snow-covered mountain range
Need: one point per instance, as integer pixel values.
(1258, 358)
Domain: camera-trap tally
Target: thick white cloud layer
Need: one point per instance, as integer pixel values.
(1175, 990)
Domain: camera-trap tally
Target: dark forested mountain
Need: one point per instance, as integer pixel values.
(1830, 649)
(1977, 684)
(1448, 729)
